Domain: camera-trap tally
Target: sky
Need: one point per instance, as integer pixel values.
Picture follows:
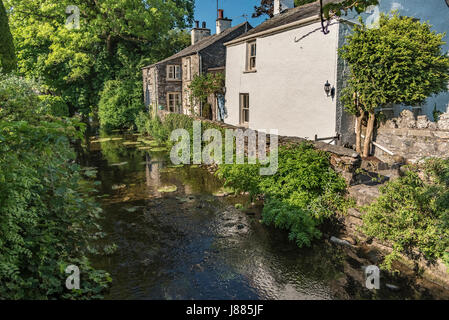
(206, 10)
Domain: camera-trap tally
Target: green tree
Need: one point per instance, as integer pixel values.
(7, 54)
(206, 85)
(115, 39)
(47, 219)
(118, 108)
(329, 9)
(399, 62)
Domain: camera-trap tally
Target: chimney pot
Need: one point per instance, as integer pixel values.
(282, 5)
(222, 23)
(198, 33)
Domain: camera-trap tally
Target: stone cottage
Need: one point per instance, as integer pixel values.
(166, 83)
(286, 74)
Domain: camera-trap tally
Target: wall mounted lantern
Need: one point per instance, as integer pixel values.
(327, 88)
(330, 91)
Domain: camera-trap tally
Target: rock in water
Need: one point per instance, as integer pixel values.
(392, 287)
(340, 242)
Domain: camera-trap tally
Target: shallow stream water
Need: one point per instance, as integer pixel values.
(194, 244)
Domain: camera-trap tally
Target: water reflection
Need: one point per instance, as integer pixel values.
(189, 244)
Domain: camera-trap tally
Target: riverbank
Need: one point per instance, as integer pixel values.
(192, 243)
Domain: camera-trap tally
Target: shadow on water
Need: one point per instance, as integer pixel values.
(192, 244)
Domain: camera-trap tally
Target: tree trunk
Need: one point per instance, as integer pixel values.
(358, 132)
(369, 134)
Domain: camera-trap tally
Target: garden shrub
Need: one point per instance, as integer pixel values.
(412, 213)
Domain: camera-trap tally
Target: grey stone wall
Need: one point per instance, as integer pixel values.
(413, 137)
(187, 104)
(345, 122)
(149, 87)
(165, 85)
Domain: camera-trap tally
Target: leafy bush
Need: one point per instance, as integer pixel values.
(412, 213)
(120, 102)
(161, 130)
(142, 122)
(54, 106)
(46, 218)
(18, 100)
(241, 178)
(304, 191)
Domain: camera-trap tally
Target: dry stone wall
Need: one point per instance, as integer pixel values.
(413, 138)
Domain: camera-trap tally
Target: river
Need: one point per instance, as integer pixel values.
(192, 243)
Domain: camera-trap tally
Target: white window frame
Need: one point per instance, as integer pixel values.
(243, 106)
(174, 72)
(251, 56)
(177, 102)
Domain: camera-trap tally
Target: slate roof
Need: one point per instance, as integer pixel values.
(202, 44)
(289, 16)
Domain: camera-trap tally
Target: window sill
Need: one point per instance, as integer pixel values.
(244, 125)
(174, 80)
(250, 71)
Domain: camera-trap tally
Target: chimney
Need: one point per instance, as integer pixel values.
(198, 33)
(222, 23)
(282, 5)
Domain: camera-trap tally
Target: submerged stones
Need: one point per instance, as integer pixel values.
(223, 192)
(119, 164)
(118, 186)
(167, 189)
(130, 143)
(133, 209)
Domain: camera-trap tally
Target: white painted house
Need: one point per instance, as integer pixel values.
(276, 73)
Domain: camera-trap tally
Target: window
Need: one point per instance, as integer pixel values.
(147, 96)
(244, 108)
(189, 69)
(173, 72)
(251, 56)
(174, 102)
